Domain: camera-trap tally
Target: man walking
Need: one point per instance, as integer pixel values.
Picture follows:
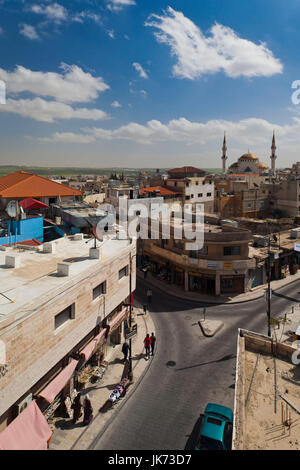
(147, 343)
(125, 349)
(153, 341)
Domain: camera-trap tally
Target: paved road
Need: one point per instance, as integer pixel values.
(187, 371)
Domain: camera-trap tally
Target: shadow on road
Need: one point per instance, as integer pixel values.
(291, 299)
(194, 436)
(224, 358)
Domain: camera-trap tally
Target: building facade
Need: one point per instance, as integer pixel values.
(63, 308)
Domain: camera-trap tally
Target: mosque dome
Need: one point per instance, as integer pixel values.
(247, 157)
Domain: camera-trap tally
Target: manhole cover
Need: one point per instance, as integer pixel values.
(171, 364)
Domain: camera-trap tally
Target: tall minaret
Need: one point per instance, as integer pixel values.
(224, 154)
(273, 154)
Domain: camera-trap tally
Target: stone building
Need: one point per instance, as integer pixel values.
(61, 309)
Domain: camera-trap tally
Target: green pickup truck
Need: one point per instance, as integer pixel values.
(216, 429)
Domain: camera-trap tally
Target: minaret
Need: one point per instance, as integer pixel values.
(273, 154)
(224, 154)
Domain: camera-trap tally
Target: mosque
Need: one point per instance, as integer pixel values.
(249, 163)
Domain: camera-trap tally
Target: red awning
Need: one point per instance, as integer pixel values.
(31, 203)
(57, 384)
(87, 351)
(118, 317)
(29, 431)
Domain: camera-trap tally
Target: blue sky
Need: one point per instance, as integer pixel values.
(132, 83)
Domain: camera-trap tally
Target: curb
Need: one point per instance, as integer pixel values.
(210, 335)
(123, 402)
(210, 302)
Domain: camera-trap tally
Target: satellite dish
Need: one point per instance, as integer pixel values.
(12, 208)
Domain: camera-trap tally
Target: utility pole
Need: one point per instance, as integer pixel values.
(130, 374)
(269, 289)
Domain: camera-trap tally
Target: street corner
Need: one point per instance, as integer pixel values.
(210, 327)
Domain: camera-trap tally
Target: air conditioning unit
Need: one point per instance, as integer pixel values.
(23, 404)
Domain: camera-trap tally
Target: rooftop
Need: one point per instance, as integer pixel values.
(267, 399)
(37, 277)
(21, 184)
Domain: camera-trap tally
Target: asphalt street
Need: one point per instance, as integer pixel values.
(187, 371)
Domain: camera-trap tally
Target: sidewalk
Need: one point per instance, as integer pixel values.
(253, 294)
(77, 437)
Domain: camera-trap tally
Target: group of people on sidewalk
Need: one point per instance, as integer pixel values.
(87, 409)
(149, 342)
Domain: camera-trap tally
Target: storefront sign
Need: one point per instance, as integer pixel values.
(212, 264)
(228, 266)
(130, 332)
(297, 246)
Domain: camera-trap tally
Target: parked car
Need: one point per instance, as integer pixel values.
(216, 429)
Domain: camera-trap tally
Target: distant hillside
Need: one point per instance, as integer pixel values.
(67, 171)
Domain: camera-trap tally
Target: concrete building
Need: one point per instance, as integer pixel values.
(194, 186)
(61, 310)
(221, 267)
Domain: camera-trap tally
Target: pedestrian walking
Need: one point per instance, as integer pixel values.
(149, 296)
(125, 349)
(153, 341)
(77, 408)
(147, 343)
(88, 411)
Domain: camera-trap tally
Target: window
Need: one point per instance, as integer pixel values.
(197, 182)
(232, 250)
(192, 196)
(187, 184)
(200, 195)
(187, 198)
(99, 290)
(208, 194)
(62, 317)
(123, 272)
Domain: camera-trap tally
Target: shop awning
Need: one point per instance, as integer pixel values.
(118, 318)
(30, 203)
(57, 384)
(87, 351)
(29, 431)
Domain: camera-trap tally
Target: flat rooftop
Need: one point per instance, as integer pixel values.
(267, 400)
(37, 273)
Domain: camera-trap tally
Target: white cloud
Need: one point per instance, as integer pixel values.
(116, 104)
(83, 15)
(72, 85)
(54, 12)
(254, 131)
(68, 138)
(28, 31)
(223, 50)
(117, 5)
(49, 111)
(111, 34)
(140, 70)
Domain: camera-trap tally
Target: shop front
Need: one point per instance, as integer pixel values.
(203, 283)
(232, 284)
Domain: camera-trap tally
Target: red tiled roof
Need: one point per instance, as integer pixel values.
(160, 190)
(23, 185)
